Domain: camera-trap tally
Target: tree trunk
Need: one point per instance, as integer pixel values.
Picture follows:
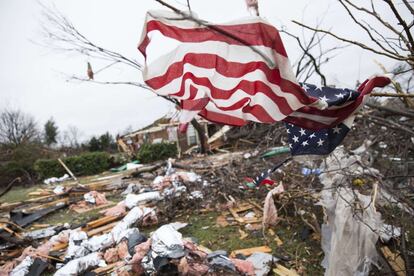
(201, 135)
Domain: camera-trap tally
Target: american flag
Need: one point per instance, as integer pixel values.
(320, 142)
(233, 81)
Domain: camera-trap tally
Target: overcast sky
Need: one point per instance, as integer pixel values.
(34, 78)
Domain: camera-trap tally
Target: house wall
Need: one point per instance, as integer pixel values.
(184, 140)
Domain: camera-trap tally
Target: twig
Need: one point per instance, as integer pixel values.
(361, 45)
(392, 110)
(388, 123)
(385, 94)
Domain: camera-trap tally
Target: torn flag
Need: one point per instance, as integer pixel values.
(303, 141)
(234, 73)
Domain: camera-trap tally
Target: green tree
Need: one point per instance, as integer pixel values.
(94, 144)
(106, 141)
(51, 132)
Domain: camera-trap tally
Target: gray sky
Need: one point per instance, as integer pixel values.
(33, 78)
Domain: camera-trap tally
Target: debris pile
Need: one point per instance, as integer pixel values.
(204, 215)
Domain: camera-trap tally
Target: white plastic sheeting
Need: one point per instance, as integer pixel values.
(80, 245)
(80, 265)
(132, 200)
(167, 241)
(262, 263)
(352, 222)
(121, 228)
(348, 237)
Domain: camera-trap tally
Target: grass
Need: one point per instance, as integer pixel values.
(19, 193)
(304, 255)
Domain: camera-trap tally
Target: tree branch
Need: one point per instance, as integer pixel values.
(361, 45)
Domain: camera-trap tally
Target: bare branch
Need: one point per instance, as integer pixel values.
(410, 45)
(367, 30)
(359, 44)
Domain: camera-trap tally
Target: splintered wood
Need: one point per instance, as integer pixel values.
(243, 208)
(249, 251)
(280, 270)
(396, 262)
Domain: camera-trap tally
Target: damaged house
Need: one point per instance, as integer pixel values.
(164, 131)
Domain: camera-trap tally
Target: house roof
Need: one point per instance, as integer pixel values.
(148, 130)
(158, 127)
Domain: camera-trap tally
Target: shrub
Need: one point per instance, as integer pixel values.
(18, 162)
(83, 164)
(153, 152)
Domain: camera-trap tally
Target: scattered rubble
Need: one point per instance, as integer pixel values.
(308, 218)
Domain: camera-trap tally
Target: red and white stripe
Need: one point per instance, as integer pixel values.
(224, 80)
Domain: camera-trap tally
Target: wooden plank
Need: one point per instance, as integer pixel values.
(59, 246)
(46, 205)
(283, 271)
(101, 229)
(236, 216)
(249, 251)
(81, 210)
(100, 222)
(67, 169)
(107, 269)
(396, 262)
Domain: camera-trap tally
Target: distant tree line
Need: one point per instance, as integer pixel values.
(22, 142)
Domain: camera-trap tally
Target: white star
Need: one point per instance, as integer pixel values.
(295, 139)
(290, 145)
(320, 142)
(288, 131)
(318, 87)
(340, 96)
(336, 129)
(302, 132)
(305, 86)
(305, 143)
(312, 135)
(324, 98)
